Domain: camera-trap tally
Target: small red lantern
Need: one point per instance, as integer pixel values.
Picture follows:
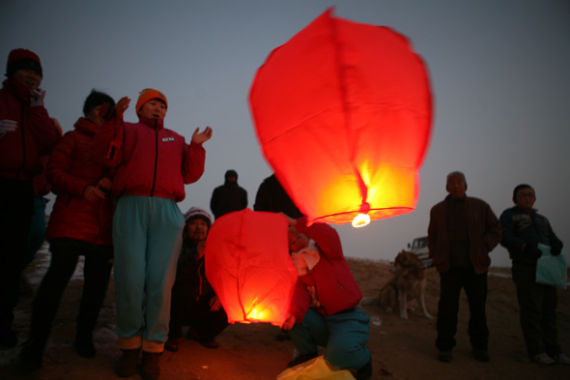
(343, 114)
(249, 267)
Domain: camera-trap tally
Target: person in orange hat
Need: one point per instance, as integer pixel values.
(26, 133)
(152, 165)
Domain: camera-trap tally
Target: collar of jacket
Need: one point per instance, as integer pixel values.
(18, 90)
(86, 126)
(153, 123)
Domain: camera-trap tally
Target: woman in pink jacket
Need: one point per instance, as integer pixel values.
(152, 165)
(80, 225)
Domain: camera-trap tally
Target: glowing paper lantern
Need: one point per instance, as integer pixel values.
(343, 114)
(249, 267)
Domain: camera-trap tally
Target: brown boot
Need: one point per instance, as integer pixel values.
(151, 365)
(127, 364)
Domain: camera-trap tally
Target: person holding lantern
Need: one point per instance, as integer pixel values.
(152, 165)
(324, 310)
(194, 302)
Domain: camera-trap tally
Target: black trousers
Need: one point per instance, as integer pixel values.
(475, 286)
(185, 311)
(16, 203)
(537, 304)
(96, 271)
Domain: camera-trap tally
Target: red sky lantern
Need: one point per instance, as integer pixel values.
(343, 114)
(249, 267)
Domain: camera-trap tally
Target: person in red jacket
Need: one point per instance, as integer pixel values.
(80, 225)
(324, 310)
(152, 165)
(26, 133)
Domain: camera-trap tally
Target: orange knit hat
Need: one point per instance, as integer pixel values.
(149, 94)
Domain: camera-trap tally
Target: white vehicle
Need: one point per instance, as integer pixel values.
(419, 246)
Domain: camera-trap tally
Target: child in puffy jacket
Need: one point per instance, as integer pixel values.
(79, 225)
(152, 165)
(324, 310)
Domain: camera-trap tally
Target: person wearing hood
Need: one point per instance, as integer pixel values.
(79, 225)
(228, 197)
(152, 166)
(26, 133)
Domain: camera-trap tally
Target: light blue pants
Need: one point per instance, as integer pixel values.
(344, 336)
(147, 236)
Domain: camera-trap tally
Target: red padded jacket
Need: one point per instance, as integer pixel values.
(71, 168)
(335, 287)
(36, 134)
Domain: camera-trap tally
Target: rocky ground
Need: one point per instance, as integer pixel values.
(401, 349)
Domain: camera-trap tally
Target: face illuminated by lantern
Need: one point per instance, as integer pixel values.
(297, 240)
(197, 229)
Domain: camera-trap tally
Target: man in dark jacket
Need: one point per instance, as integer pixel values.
(523, 230)
(229, 196)
(26, 133)
(461, 233)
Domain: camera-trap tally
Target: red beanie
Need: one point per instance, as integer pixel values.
(149, 94)
(23, 59)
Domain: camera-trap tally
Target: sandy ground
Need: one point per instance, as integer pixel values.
(401, 349)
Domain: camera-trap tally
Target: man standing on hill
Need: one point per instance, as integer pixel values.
(461, 233)
(228, 197)
(524, 229)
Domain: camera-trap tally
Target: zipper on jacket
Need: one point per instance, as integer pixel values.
(24, 159)
(155, 158)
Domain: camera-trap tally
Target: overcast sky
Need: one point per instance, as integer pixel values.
(499, 69)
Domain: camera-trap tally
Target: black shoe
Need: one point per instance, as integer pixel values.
(301, 359)
(171, 344)
(445, 356)
(84, 347)
(481, 355)
(211, 344)
(150, 368)
(8, 339)
(365, 372)
(30, 357)
(127, 364)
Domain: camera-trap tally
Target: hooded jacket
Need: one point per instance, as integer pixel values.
(71, 168)
(151, 160)
(483, 229)
(36, 135)
(331, 278)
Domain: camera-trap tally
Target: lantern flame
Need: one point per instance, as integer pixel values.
(255, 314)
(361, 220)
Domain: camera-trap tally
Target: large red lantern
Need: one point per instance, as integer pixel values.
(249, 267)
(343, 115)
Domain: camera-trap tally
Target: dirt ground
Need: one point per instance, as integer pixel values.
(401, 349)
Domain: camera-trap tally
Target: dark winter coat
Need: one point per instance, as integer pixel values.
(483, 229)
(227, 198)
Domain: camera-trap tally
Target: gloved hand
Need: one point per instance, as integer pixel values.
(7, 126)
(38, 98)
(531, 250)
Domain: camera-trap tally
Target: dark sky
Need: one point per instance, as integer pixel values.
(500, 75)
